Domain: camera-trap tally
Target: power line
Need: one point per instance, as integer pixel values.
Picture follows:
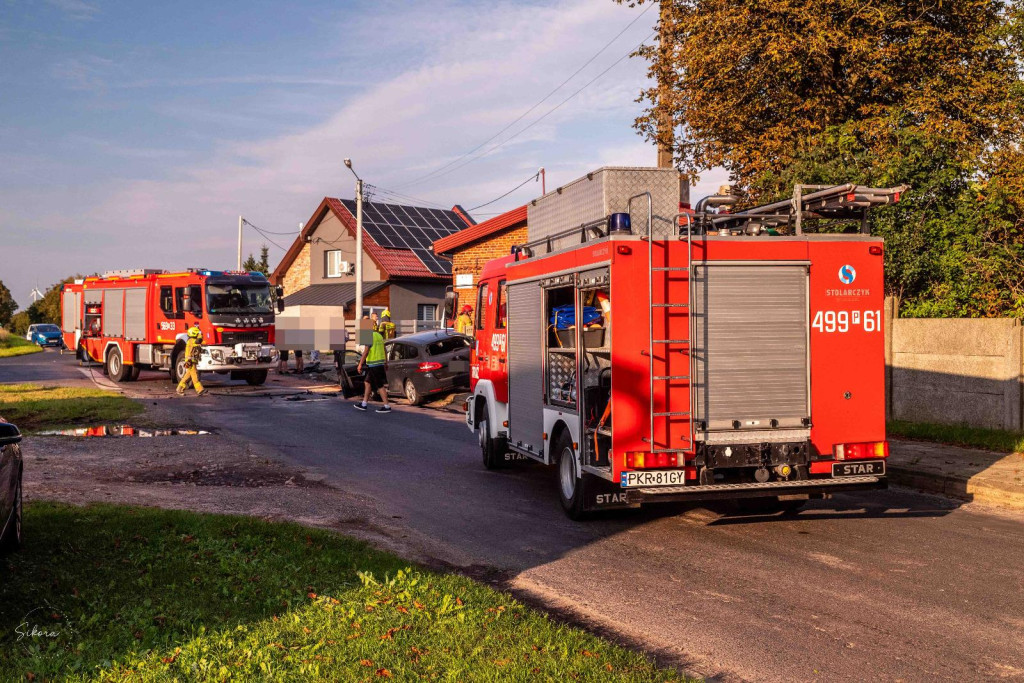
(528, 111)
(534, 177)
(405, 197)
(549, 111)
(269, 232)
(266, 236)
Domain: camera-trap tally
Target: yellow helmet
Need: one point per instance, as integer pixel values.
(386, 313)
(195, 333)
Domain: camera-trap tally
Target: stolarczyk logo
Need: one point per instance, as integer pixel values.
(847, 275)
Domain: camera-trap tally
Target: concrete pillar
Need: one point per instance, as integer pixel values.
(889, 314)
(1013, 411)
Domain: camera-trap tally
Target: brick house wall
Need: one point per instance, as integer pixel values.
(471, 259)
(297, 275)
(381, 297)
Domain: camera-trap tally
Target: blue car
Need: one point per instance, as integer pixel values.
(44, 335)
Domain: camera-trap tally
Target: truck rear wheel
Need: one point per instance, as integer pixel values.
(572, 484)
(493, 450)
(116, 369)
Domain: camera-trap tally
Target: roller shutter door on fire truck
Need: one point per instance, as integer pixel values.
(71, 310)
(525, 367)
(751, 357)
(113, 312)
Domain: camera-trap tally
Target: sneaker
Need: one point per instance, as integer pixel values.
(383, 409)
(360, 406)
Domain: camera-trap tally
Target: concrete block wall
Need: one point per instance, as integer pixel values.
(955, 371)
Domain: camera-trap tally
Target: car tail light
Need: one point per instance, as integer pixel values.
(860, 451)
(429, 367)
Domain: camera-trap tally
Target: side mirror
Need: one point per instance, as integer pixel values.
(186, 302)
(9, 434)
(279, 295)
(451, 300)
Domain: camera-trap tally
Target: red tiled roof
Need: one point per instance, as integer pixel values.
(509, 219)
(393, 262)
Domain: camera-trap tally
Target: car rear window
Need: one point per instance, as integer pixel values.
(447, 345)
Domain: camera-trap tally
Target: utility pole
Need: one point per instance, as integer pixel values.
(359, 243)
(240, 221)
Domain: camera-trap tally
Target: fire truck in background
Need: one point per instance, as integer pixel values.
(137, 320)
(653, 355)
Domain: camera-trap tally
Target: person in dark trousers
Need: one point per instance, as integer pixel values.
(375, 377)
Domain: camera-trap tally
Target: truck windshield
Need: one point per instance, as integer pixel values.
(238, 298)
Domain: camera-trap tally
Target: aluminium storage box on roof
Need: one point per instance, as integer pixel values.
(602, 192)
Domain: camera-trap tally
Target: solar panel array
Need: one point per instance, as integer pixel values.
(409, 227)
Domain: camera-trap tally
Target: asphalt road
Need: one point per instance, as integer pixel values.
(889, 585)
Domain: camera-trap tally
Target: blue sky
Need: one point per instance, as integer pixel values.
(134, 134)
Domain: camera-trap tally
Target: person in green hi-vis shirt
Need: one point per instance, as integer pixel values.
(375, 377)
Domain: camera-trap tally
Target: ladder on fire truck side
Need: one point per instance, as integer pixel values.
(667, 308)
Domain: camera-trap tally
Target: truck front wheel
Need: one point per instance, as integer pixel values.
(493, 450)
(256, 377)
(572, 484)
(178, 367)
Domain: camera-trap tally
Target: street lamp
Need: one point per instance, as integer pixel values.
(359, 242)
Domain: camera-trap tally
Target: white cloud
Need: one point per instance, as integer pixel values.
(484, 65)
(75, 9)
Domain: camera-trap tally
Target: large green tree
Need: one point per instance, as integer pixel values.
(7, 306)
(880, 92)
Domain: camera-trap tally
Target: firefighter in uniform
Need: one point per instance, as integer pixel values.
(464, 323)
(385, 326)
(193, 349)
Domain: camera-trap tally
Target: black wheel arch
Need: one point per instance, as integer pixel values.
(557, 432)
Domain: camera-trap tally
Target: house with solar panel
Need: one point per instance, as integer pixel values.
(400, 268)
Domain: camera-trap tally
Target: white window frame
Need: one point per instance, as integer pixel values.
(431, 307)
(332, 267)
(369, 310)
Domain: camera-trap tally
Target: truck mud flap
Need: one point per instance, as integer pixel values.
(601, 494)
(752, 490)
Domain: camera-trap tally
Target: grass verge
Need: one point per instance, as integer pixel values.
(144, 594)
(13, 345)
(33, 407)
(958, 435)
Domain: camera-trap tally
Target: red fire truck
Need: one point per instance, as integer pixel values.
(653, 355)
(138, 320)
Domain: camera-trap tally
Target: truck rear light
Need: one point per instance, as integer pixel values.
(428, 367)
(875, 250)
(638, 460)
(861, 451)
